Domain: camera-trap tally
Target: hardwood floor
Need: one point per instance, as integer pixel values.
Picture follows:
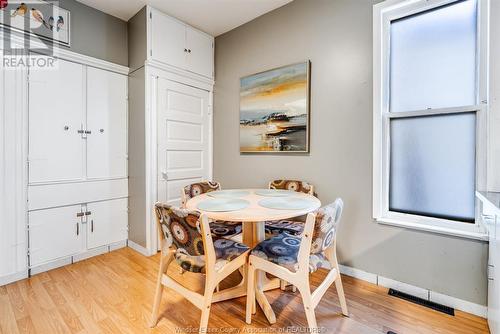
(113, 293)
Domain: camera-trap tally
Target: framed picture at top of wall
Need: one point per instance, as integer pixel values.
(274, 110)
(37, 18)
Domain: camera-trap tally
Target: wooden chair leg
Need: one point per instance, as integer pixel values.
(250, 293)
(205, 309)
(305, 292)
(283, 285)
(340, 292)
(164, 262)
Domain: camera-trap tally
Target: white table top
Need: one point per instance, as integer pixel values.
(254, 212)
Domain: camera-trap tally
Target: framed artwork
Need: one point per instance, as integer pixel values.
(39, 18)
(274, 110)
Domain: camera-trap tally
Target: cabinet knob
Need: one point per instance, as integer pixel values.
(101, 130)
(189, 50)
(185, 50)
(66, 128)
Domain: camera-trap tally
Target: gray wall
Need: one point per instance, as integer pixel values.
(336, 35)
(96, 34)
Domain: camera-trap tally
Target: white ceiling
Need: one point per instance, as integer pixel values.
(212, 16)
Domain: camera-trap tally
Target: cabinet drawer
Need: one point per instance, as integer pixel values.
(54, 233)
(48, 196)
(107, 223)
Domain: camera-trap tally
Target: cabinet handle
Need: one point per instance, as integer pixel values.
(80, 214)
(88, 213)
(92, 226)
(81, 131)
(88, 132)
(77, 229)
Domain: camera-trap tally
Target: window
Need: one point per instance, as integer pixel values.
(429, 105)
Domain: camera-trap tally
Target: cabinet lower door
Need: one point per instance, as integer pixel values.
(54, 233)
(107, 124)
(107, 222)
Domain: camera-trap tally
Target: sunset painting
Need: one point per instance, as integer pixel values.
(274, 110)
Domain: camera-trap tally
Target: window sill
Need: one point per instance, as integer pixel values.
(434, 229)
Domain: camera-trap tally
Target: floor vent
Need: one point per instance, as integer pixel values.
(423, 302)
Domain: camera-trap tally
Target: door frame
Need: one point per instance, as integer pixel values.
(153, 73)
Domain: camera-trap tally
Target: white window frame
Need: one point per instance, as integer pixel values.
(383, 14)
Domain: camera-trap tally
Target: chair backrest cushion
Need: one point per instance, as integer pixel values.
(294, 185)
(181, 228)
(326, 224)
(199, 188)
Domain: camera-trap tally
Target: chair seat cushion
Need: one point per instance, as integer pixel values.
(226, 250)
(274, 228)
(283, 250)
(224, 229)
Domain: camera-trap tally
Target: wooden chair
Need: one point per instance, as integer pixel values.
(293, 258)
(231, 230)
(293, 226)
(186, 238)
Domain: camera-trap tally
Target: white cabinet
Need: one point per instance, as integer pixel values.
(106, 124)
(175, 43)
(106, 222)
(56, 115)
(55, 233)
(169, 42)
(77, 124)
(77, 153)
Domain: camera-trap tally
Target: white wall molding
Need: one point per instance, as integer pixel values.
(4, 280)
(459, 304)
(64, 53)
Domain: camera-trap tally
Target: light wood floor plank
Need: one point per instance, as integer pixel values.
(113, 293)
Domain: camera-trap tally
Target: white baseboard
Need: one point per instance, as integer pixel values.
(403, 287)
(459, 304)
(360, 274)
(51, 265)
(138, 248)
(4, 280)
(118, 245)
(90, 253)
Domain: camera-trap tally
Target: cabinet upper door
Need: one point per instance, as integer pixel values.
(168, 40)
(200, 52)
(54, 233)
(56, 114)
(107, 123)
(107, 222)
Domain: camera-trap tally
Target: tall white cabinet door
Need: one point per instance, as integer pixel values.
(107, 222)
(200, 57)
(168, 40)
(54, 233)
(183, 138)
(56, 114)
(107, 123)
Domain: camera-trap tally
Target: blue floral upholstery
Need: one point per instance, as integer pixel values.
(182, 231)
(292, 226)
(218, 228)
(283, 249)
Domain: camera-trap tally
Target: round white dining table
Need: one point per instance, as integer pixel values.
(253, 218)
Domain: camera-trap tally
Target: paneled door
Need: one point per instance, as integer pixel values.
(56, 118)
(183, 138)
(106, 124)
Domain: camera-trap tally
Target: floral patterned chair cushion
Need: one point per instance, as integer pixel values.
(283, 250)
(181, 230)
(292, 226)
(293, 185)
(219, 228)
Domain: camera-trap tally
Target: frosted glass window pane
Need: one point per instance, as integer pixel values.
(433, 58)
(432, 170)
